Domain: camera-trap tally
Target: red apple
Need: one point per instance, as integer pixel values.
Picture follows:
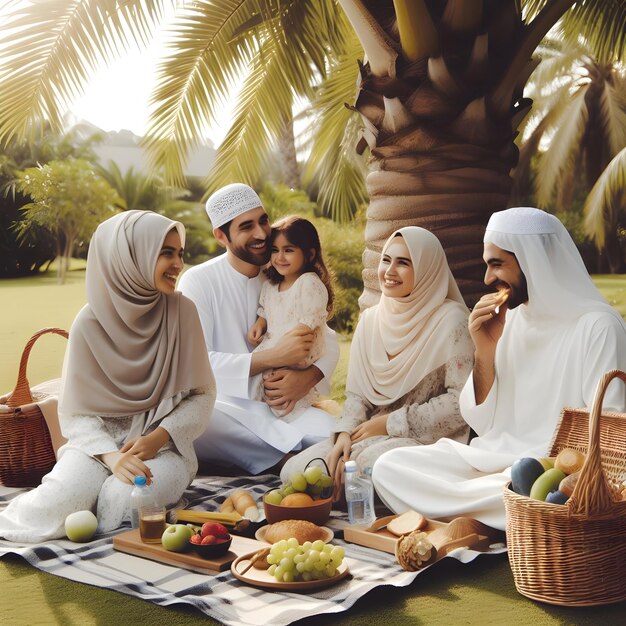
(197, 539)
(215, 529)
(208, 540)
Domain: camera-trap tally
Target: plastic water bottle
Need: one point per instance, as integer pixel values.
(359, 495)
(136, 498)
(146, 511)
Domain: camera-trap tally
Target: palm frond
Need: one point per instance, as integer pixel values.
(265, 102)
(333, 161)
(606, 199)
(213, 45)
(562, 146)
(613, 107)
(195, 78)
(48, 54)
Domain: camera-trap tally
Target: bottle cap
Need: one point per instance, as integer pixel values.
(351, 466)
(140, 481)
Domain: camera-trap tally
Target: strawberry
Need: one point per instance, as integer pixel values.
(215, 529)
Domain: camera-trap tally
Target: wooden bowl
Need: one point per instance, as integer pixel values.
(317, 513)
(211, 550)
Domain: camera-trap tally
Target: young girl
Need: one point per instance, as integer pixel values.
(298, 293)
(137, 387)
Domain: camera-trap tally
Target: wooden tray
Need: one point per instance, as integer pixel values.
(460, 532)
(262, 578)
(130, 542)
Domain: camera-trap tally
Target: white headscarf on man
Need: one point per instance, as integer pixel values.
(132, 349)
(398, 342)
(540, 243)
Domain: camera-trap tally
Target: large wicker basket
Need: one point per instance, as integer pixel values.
(574, 554)
(26, 452)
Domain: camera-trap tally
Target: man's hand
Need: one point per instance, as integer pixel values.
(147, 446)
(486, 327)
(125, 466)
(293, 348)
(336, 459)
(256, 332)
(371, 428)
(283, 386)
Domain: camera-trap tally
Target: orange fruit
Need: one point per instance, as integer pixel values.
(297, 499)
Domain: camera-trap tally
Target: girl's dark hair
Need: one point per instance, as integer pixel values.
(301, 233)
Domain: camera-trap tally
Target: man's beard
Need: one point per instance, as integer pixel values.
(250, 257)
(519, 293)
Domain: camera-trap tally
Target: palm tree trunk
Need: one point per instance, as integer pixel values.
(440, 119)
(288, 157)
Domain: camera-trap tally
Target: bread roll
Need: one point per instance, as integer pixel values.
(298, 528)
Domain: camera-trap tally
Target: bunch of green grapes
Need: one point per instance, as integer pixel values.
(289, 561)
(313, 480)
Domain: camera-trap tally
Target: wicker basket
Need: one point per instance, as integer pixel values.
(574, 554)
(26, 452)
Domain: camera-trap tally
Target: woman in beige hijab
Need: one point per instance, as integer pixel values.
(410, 357)
(137, 386)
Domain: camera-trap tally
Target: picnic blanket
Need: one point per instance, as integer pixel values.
(220, 596)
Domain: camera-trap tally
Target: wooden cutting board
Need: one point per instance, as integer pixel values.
(130, 542)
(446, 536)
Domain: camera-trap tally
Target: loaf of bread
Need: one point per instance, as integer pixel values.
(298, 528)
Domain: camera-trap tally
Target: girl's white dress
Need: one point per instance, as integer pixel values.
(303, 303)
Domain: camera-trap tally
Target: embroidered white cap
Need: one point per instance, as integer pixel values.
(230, 201)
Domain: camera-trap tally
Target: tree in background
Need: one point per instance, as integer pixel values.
(149, 193)
(580, 113)
(69, 200)
(36, 248)
(440, 94)
(605, 208)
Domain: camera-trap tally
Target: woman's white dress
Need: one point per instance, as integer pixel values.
(421, 417)
(80, 481)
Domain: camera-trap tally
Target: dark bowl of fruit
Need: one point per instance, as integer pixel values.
(212, 541)
(307, 496)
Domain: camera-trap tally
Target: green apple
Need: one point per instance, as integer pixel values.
(81, 526)
(298, 481)
(313, 474)
(274, 497)
(176, 538)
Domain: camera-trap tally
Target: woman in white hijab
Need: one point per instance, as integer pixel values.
(410, 357)
(137, 386)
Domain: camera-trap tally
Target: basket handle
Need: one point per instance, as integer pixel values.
(593, 495)
(319, 458)
(21, 394)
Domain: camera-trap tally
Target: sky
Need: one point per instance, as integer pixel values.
(117, 96)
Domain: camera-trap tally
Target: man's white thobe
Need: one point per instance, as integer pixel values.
(241, 430)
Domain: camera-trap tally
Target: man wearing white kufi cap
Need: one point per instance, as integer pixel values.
(542, 342)
(226, 292)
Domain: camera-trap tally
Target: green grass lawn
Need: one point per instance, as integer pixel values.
(450, 593)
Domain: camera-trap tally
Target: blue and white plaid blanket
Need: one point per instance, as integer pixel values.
(220, 596)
